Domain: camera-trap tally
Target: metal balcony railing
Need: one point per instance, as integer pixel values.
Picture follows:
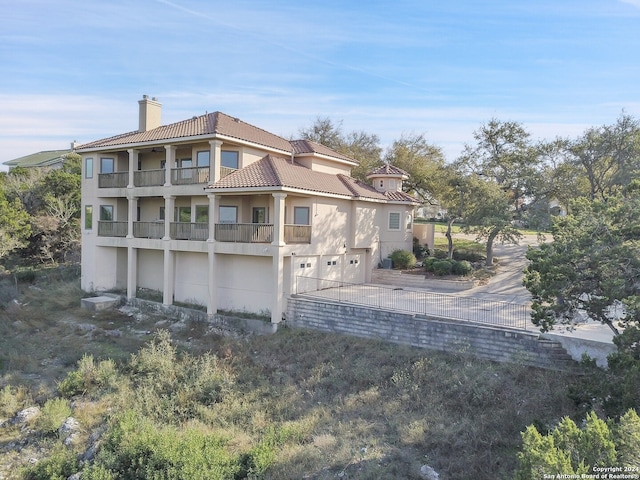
(149, 178)
(297, 233)
(189, 176)
(148, 229)
(244, 232)
(112, 229)
(113, 180)
(189, 231)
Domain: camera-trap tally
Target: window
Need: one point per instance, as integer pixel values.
(202, 213)
(106, 213)
(183, 214)
(409, 221)
(202, 158)
(394, 221)
(184, 163)
(301, 215)
(161, 214)
(381, 183)
(88, 217)
(230, 159)
(106, 165)
(392, 184)
(88, 168)
(259, 215)
(228, 214)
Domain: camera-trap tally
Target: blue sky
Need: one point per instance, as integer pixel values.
(75, 69)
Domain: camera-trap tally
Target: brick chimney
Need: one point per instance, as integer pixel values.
(150, 114)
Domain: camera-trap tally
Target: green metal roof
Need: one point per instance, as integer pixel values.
(40, 159)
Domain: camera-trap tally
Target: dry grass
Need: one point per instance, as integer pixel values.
(350, 407)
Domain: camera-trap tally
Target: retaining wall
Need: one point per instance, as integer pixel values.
(489, 342)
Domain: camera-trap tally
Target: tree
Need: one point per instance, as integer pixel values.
(488, 214)
(592, 265)
(503, 153)
(609, 156)
(14, 225)
(568, 449)
(359, 145)
(422, 161)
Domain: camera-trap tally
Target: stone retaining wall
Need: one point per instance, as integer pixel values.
(489, 342)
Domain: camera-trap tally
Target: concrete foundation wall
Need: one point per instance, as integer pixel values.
(492, 343)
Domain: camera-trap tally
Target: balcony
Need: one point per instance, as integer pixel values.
(189, 231)
(244, 232)
(149, 178)
(297, 233)
(189, 176)
(112, 229)
(113, 180)
(148, 229)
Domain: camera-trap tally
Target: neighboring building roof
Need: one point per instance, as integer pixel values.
(40, 159)
(210, 124)
(388, 170)
(300, 147)
(278, 172)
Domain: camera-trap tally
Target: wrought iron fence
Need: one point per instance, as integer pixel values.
(453, 307)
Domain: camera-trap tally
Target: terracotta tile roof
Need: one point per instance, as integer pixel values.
(307, 146)
(274, 171)
(387, 169)
(400, 197)
(210, 124)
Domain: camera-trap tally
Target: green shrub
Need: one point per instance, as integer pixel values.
(462, 268)
(439, 253)
(12, 400)
(53, 414)
(420, 251)
(442, 267)
(137, 448)
(469, 255)
(60, 465)
(403, 259)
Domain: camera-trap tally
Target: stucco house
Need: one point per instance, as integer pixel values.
(217, 212)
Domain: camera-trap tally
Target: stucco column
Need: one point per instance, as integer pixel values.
(169, 162)
(213, 215)
(212, 304)
(132, 272)
(169, 210)
(278, 286)
(131, 215)
(215, 157)
(133, 166)
(169, 274)
(278, 218)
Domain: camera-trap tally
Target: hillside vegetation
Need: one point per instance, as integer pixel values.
(159, 398)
